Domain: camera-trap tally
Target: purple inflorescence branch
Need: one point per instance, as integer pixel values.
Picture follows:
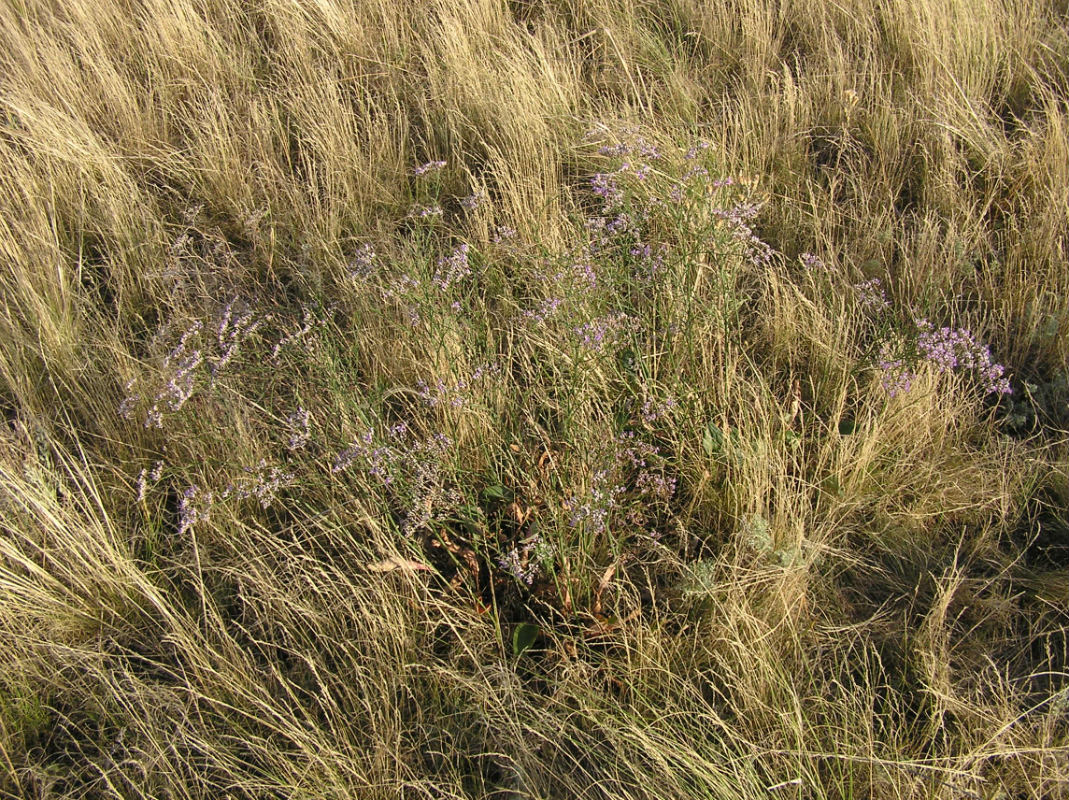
(452, 269)
(298, 424)
(260, 482)
(236, 324)
(194, 506)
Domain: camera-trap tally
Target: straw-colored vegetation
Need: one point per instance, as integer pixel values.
(611, 458)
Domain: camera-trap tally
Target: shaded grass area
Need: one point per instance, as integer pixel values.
(534, 399)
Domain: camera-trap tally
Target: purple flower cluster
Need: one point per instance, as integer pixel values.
(947, 350)
(425, 212)
(377, 459)
(524, 562)
(430, 166)
(259, 482)
(452, 269)
(631, 481)
(298, 424)
(895, 377)
(636, 147)
(503, 233)
(607, 186)
(130, 401)
(195, 506)
(305, 333)
(596, 510)
(951, 349)
(473, 200)
(655, 485)
(649, 263)
(680, 189)
(578, 279)
(236, 324)
(422, 492)
(412, 469)
(362, 266)
(653, 411)
(699, 147)
(546, 308)
(629, 142)
(738, 218)
(582, 274)
(597, 334)
(181, 363)
(871, 295)
(145, 477)
(406, 289)
(639, 455)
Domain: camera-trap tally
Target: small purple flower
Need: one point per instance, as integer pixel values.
(653, 411)
(598, 333)
(699, 147)
(502, 233)
(523, 562)
(130, 402)
(546, 309)
(181, 363)
(619, 224)
(473, 200)
(600, 501)
(430, 166)
(424, 212)
(606, 186)
(871, 295)
(583, 271)
(362, 266)
(614, 150)
(655, 485)
(949, 349)
(309, 322)
(457, 394)
(894, 375)
(647, 150)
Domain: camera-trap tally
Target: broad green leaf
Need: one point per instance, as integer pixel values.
(524, 637)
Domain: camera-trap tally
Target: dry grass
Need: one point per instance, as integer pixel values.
(212, 585)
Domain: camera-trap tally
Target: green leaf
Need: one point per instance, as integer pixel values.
(495, 492)
(847, 426)
(524, 637)
(712, 440)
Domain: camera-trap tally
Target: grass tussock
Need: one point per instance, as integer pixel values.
(599, 399)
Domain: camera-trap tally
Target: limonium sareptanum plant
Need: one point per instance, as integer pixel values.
(658, 216)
